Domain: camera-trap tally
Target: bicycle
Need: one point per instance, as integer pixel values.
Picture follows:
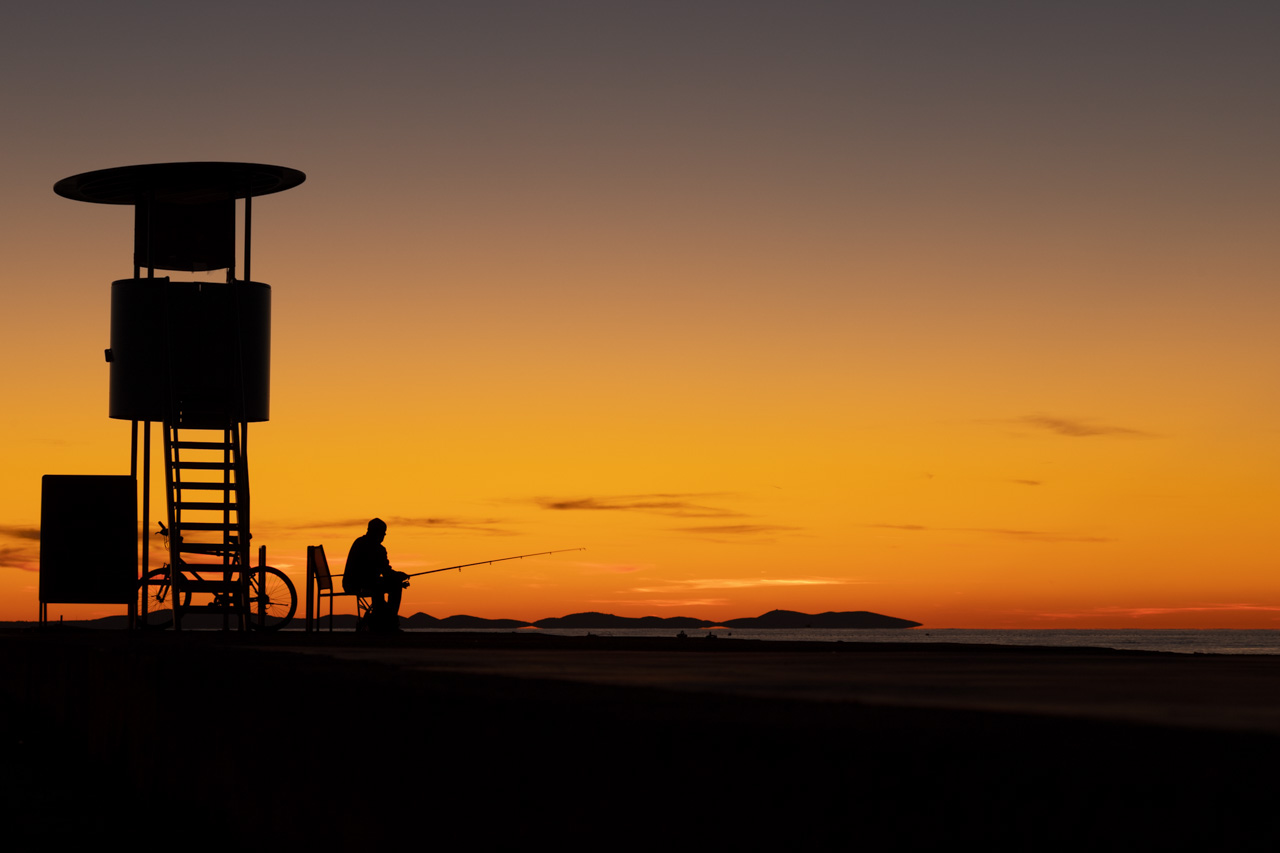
(269, 589)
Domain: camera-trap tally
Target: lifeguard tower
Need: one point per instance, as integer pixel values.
(195, 357)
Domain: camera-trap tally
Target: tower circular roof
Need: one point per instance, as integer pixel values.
(178, 183)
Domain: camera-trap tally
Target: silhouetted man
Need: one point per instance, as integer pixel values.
(368, 572)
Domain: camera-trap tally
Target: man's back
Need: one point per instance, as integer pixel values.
(366, 561)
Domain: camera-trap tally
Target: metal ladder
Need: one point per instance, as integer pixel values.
(207, 484)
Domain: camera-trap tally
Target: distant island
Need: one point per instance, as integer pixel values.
(787, 620)
(780, 619)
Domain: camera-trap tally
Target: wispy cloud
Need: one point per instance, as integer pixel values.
(1139, 612)
(1038, 535)
(664, 602)
(19, 558)
(612, 568)
(475, 525)
(1003, 532)
(1027, 482)
(470, 525)
(735, 529)
(24, 556)
(677, 505)
(1079, 427)
(743, 583)
(1195, 608)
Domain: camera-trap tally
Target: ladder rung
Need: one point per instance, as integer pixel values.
(201, 445)
(205, 466)
(208, 548)
(221, 487)
(205, 505)
(209, 585)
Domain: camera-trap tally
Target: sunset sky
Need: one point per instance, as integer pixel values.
(962, 312)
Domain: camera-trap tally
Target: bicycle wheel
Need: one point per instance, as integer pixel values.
(278, 599)
(157, 594)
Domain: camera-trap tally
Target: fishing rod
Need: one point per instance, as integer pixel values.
(499, 560)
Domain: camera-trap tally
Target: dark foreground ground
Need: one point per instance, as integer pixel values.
(468, 740)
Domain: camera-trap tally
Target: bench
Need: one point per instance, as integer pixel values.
(320, 585)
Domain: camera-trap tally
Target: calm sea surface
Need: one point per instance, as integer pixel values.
(1221, 642)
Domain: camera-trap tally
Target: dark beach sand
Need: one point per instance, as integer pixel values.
(472, 739)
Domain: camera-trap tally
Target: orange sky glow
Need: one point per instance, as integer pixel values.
(962, 313)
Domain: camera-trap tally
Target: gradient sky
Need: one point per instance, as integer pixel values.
(960, 312)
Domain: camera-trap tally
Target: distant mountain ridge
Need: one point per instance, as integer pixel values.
(779, 619)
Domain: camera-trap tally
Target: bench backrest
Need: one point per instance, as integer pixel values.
(320, 567)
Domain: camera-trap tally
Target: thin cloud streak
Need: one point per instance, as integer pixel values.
(1021, 535)
(1197, 608)
(1139, 612)
(472, 525)
(1080, 427)
(745, 583)
(664, 602)
(736, 529)
(611, 568)
(19, 558)
(675, 505)
(1037, 535)
(19, 532)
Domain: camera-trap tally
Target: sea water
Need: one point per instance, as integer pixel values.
(1204, 641)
